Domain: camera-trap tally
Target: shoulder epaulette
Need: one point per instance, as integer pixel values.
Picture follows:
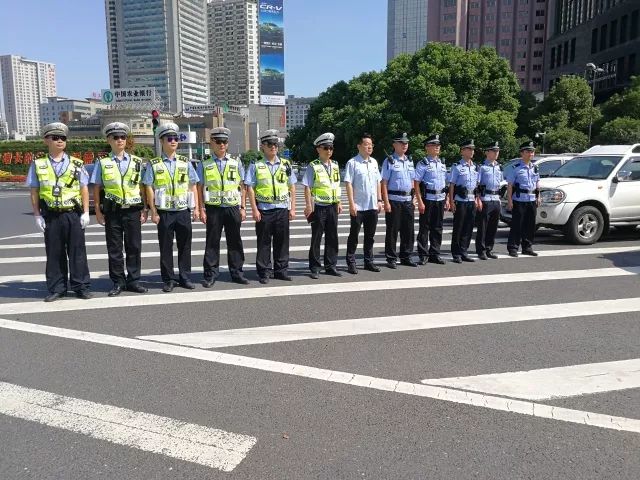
(155, 161)
(77, 162)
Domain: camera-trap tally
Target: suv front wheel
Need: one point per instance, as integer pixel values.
(585, 226)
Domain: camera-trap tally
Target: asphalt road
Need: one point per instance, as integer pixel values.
(404, 374)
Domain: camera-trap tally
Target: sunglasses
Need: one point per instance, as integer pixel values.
(327, 147)
(55, 138)
(171, 138)
(119, 137)
(271, 144)
(221, 142)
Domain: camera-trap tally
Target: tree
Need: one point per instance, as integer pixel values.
(250, 156)
(625, 104)
(565, 139)
(621, 131)
(440, 89)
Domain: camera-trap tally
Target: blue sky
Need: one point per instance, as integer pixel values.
(325, 41)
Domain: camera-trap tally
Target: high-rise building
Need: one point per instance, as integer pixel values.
(515, 28)
(161, 44)
(606, 34)
(406, 26)
(233, 52)
(297, 110)
(56, 109)
(25, 85)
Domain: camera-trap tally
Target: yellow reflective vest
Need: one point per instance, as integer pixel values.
(272, 188)
(171, 192)
(119, 188)
(326, 188)
(221, 189)
(67, 185)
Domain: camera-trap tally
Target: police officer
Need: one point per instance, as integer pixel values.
(60, 203)
(222, 198)
(464, 180)
(322, 196)
(431, 191)
(397, 194)
(272, 194)
(489, 179)
(523, 199)
(362, 179)
(170, 182)
(119, 176)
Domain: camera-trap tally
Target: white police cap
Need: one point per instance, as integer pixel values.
(116, 128)
(324, 139)
(269, 136)
(55, 128)
(167, 129)
(220, 133)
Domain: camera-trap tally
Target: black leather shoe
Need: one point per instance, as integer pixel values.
(352, 269)
(137, 288)
(315, 275)
(84, 294)
(240, 280)
(208, 283)
(115, 291)
(492, 255)
(531, 253)
(513, 253)
(468, 259)
(188, 285)
(52, 297)
(482, 256)
(408, 263)
(333, 271)
(264, 280)
(282, 276)
(422, 261)
(391, 265)
(169, 286)
(457, 260)
(437, 260)
(372, 267)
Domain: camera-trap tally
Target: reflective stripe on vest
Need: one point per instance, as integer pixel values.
(271, 188)
(221, 189)
(122, 189)
(171, 192)
(68, 182)
(326, 188)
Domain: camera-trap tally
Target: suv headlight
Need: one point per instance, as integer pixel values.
(553, 196)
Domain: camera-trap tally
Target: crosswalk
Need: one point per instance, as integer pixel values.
(566, 297)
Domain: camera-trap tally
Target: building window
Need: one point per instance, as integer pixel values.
(624, 21)
(539, 13)
(603, 37)
(613, 34)
(559, 57)
(552, 65)
(538, 53)
(594, 40)
(632, 64)
(538, 40)
(633, 31)
(539, 26)
(572, 54)
(537, 67)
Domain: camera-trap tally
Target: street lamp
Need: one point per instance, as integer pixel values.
(591, 67)
(541, 134)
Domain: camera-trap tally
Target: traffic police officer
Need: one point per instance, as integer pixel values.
(463, 189)
(489, 179)
(362, 179)
(170, 182)
(222, 199)
(119, 176)
(431, 191)
(523, 199)
(272, 194)
(322, 196)
(397, 195)
(60, 203)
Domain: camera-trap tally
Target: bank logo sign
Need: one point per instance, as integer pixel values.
(271, 25)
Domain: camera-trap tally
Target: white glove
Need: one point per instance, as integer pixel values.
(40, 223)
(85, 220)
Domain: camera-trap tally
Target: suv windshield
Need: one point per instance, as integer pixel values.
(594, 168)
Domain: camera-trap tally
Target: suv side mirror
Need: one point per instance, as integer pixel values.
(623, 176)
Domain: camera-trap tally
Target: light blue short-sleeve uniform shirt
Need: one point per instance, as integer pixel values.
(490, 175)
(527, 177)
(364, 176)
(399, 176)
(465, 175)
(433, 174)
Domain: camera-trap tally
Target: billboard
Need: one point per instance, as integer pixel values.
(271, 34)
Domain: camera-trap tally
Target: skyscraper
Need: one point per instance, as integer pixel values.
(25, 85)
(161, 44)
(233, 51)
(406, 27)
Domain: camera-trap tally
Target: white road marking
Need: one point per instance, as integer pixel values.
(523, 407)
(397, 323)
(548, 383)
(26, 235)
(208, 296)
(151, 433)
(305, 248)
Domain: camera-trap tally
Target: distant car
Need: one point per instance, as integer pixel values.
(547, 165)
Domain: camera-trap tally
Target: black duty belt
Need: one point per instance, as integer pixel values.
(436, 192)
(400, 193)
(491, 192)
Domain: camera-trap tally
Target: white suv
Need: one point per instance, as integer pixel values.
(597, 189)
